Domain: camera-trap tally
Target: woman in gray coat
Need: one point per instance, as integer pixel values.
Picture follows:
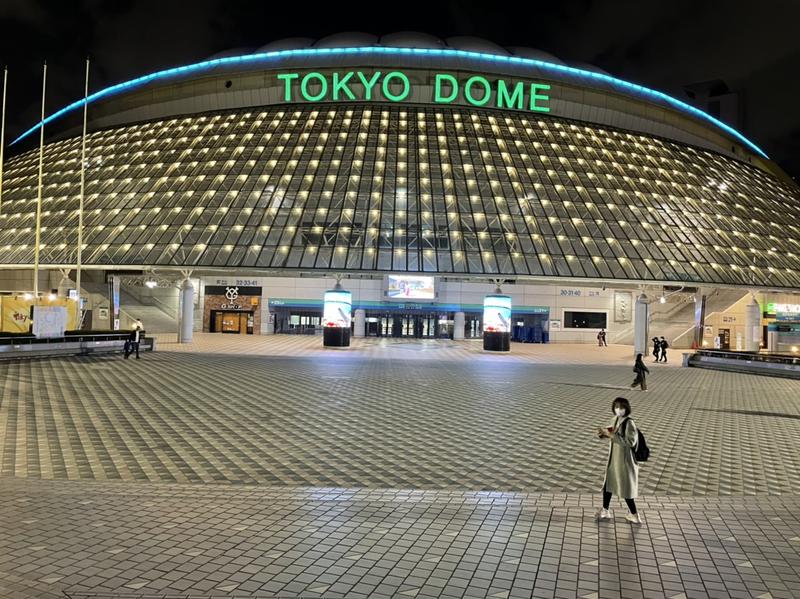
(622, 471)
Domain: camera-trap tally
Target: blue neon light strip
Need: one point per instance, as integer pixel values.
(440, 52)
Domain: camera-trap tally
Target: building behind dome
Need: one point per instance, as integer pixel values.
(273, 170)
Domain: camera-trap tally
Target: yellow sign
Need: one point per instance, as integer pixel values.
(16, 315)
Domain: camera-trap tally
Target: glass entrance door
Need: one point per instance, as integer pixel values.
(414, 326)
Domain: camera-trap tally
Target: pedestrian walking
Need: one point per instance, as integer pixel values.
(663, 345)
(134, 338)
(641, 371)
(656, 348)
(601, 338)
(622, 470)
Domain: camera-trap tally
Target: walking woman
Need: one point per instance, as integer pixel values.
(622, 471)
(656, 348)
(641, 373)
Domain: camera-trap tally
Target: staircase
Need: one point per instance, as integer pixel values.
(674, 320)
(156, 315)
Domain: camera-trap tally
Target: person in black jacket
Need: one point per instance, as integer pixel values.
(641, 373)
(656, 348)
(135, 337)
(663, 345)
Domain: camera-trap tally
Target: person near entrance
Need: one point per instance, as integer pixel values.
(656, 348)
(641, 373)
(622, 471)
(601, 338)
(662, 343)
(134, 339)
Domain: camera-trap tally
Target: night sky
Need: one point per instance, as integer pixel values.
(753, 46)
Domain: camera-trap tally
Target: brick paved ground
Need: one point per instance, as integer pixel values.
(113, 439)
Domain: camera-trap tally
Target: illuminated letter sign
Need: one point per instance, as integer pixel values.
(395, 86)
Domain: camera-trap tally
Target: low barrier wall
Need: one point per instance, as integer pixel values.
(746, 362)
(30, 346)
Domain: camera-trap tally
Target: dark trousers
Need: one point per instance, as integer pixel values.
(607, 501)
(663, 357)
(640, 380)
(130, 347)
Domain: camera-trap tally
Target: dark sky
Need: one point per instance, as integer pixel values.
(753, 46)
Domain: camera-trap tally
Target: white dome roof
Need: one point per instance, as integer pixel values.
(287, 43)
(476, 44)
(407, 39)
(347, 39)
(411, 39)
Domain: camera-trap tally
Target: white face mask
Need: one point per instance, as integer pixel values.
(620, 412)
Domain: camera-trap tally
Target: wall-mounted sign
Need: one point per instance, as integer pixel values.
(728, 319)
(555, 325)
(396, 86)
(623, 304)
(784, 311)
(412, 287)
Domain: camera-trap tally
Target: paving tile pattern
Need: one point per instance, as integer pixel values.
(154, 540)
(472, 421)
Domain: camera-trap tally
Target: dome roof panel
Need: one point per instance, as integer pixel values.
(475, 44)
(348, 39)
(411, 39)
(533, 53)
(588, 67)
(287, 43)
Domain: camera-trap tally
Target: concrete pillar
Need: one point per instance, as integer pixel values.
(772, 338)
(752, 326)
(458, 326)
(641, 333)
(700, 317)
(360, 323)
(187, 312)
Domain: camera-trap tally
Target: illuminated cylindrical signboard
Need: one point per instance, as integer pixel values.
(497, 322)
(336, 317)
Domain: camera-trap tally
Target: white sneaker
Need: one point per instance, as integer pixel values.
(633, 518)
(603, 514)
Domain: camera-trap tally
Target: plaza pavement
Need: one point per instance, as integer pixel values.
(271, 467)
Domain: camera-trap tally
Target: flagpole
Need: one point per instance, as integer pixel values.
(39, 195)
(83, 183)
(3, 134)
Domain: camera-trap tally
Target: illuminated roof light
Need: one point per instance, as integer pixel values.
(274, 56)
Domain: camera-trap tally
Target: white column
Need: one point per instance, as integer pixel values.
(752, 326)
(360, 322)
(772, 340)
(641, 325)
(187, 312)
(458, 326)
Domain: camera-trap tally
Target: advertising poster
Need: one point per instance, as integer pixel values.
(337, 308)
(16, 315)
(410, 287)
(49, 321)
(497, 314)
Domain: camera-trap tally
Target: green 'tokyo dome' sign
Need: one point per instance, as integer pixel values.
(396, 86)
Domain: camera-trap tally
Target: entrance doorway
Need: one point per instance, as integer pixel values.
(234, 323)
(415, 326)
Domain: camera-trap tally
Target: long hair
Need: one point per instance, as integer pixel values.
(638, 357)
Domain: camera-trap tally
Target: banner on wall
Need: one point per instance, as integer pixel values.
(49, 321)
(16, 315)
